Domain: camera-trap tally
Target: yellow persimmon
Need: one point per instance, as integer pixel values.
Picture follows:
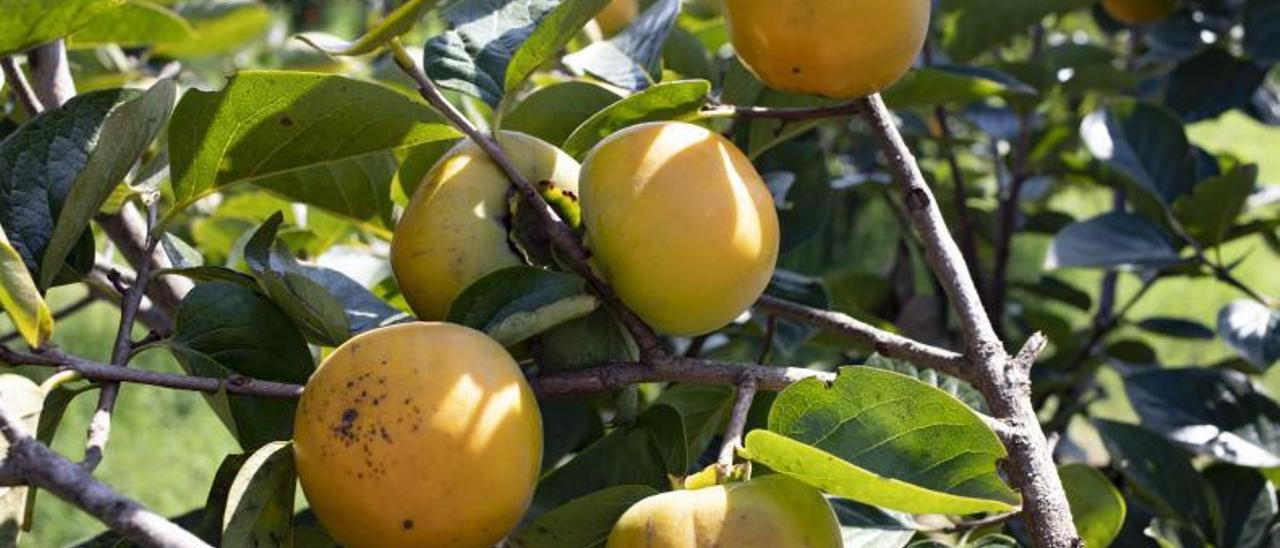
(835, 48)
(454, 230)
(418, 434)
(681, 224)
(1139, 12)
(768, 512)
(616, 15)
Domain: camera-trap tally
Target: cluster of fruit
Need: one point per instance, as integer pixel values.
(427, 433)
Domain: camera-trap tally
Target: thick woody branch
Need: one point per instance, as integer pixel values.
(885, 343)
(52, 72)
(35, 464)
(559, 233)
(1003, 381)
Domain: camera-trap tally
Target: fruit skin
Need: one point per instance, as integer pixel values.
(418, 434)
(836, 48)
(1139, 12)
(768, 512)
(680, 224)
(616, 15)
(453, 232)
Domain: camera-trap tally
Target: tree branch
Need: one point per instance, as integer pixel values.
(1002, 381)
(35, 464)
(52, 72)
(100, 425)
(737, 426)
(883, 342)
(21, 89)
(559, 233)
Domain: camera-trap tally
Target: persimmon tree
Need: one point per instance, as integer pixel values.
(965, 269)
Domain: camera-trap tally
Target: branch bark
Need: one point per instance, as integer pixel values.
(35, 464)
(21, 88)
(1003, 381)
(737, 426)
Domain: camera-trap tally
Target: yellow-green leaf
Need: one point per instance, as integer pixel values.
(20, 298)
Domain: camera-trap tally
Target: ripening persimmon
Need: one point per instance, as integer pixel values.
(768, 512)
(418, 434)
(454, 230)
(616, 15)
(835, 48)
(680, 223)
(1139, 12)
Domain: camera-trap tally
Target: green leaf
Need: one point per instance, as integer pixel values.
(25, 24)
(1211, 82)
(317, 313)
(1252, 330)
(1210, 211)
(704, 409)
(1214, 412)
(567, 426)
(135, 23)
(259, 508)
(643, 453)
(584, 522)
(21, 400)
(551, 35)
(1146, 144)
(1261, 21)
(43, 162)
(961, 390)
(1111, 240)
(632, 60)
(666, 101)
(218, 28)
(20, 298)
(52, 410)
(885, 439)
(124, 135)
(583, 342)
(323, 140)
(395, 24)
(224, 329)
(553, 112)
(1097, 508)
(951, 84)
(515, 303)
(862, 525)
(1247, 504)
(979, 25)
(473, 56)
(1159, 473)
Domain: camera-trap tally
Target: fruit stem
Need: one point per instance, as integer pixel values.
(737, 426)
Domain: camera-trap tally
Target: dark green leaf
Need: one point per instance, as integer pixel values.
(1212, 82)
(951, 84)
(121, 140)
(1213, 207)
(473, 56)
(584, 522)
(980, 25)
(553, 112)
(666, 101)
(885, 439)
(1262, 29)
(636, 454)
(583, 342)
(519, 302)
(135, 23)
(259, 507)
(1247, 503)
(1215, 412)
(317, 313)
(632, 59)
(1146, 144)
(1097, 508)
(1177, 327)
(25, 24)
(1159, 473)
(1109, 241)
(224, 329)
(1253, 330)
(704, 409)
(567, 426)
(862, 525)
(325, 140)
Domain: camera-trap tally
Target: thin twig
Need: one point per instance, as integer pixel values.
(100, 425)
(32, 463)
(21, 89)
(737, 426)
(559, 233)
(1003, 381)
(766, 345)
(883, 342)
